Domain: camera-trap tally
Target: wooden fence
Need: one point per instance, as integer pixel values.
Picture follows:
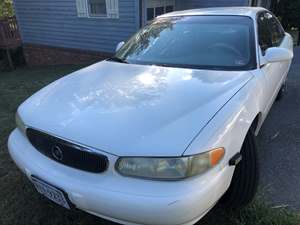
(9, 36)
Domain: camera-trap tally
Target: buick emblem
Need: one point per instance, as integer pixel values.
(57, 153)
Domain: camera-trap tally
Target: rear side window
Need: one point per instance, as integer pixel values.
(264, 34)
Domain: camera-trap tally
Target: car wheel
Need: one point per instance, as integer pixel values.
(245, 178)
(282, 91)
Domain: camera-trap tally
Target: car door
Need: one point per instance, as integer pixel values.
(269, 36)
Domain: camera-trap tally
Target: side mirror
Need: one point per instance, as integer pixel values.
(277, 54)
(119, 45)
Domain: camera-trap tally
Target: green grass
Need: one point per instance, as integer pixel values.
(21, 204)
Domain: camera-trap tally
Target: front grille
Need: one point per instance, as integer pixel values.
(67, 153)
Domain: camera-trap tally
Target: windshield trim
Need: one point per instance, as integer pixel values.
(189, 66)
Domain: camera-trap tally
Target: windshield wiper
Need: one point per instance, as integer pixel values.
(162, 65)
(117, 59)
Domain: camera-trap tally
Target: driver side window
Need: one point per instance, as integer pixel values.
(264, 34)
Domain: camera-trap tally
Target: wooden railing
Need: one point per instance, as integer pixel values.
(9, 33)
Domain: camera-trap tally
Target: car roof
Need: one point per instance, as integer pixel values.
(218, 11)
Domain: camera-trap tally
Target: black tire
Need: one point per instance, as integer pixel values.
(282, 91)
(245, 178)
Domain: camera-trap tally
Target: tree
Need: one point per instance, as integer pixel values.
(289, 13)
(6, 8)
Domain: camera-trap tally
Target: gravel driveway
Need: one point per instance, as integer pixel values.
(279, 146)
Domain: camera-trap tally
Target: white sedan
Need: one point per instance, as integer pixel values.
(165, 129)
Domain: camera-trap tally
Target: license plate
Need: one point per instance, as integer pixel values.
(53, 193)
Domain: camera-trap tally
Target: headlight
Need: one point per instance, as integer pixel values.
(169, 168)
(20, 124)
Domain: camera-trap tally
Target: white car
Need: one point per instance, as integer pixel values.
(165, 129)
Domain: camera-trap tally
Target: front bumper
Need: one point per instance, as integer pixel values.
(122, 199)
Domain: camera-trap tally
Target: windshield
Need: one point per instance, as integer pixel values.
(204, 42)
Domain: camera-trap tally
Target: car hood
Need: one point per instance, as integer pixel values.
(132, 110)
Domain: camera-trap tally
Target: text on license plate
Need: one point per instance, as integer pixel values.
(50, 192)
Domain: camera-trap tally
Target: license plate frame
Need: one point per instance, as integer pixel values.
(51, 192)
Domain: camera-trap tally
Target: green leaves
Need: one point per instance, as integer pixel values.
(6, 8)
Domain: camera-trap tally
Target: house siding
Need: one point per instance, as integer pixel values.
(191, 4)
(55, 23)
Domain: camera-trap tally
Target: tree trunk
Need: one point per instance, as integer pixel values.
(298, 41)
